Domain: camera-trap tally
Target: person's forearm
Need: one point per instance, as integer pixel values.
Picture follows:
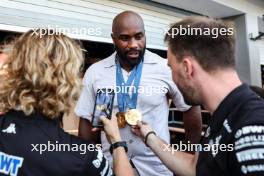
(180, 163)
(121, 163)
(86, 133)
(193, 124)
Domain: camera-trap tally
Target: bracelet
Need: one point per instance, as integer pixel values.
(118, 144)
(146, 138)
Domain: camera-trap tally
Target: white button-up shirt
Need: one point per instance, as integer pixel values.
(155, 87)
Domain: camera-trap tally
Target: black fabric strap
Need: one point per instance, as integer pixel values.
(146, 138)
(118, 144)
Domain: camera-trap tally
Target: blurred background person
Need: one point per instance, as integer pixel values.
(3, 58)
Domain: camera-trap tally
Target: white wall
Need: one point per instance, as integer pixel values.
(20, 15)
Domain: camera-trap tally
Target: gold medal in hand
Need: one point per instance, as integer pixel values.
(121, 121)
(132, 116)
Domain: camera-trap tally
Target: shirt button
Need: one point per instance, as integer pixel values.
(130, 141)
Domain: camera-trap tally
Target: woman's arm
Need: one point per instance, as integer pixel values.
(121, 163)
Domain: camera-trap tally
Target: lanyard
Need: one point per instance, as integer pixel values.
(123, 98)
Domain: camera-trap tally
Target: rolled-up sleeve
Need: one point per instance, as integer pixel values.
(85, 104)
(174, 93)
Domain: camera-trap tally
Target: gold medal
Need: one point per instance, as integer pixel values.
(121, 121)
(132, 116)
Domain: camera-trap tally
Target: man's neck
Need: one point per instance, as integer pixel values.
(126, 66)
(217, 87)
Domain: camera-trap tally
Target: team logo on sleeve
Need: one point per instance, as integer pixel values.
(10, 164)
(10, 129)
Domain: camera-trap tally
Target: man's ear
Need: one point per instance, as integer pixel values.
(188, 67)
(113, 38)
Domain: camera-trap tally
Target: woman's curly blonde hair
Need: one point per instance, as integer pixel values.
(43, 74)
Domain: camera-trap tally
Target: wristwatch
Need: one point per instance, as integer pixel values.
(118, 144)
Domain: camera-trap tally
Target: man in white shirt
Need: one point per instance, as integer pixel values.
(154, 89)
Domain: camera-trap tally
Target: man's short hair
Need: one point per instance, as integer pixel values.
(211, 42)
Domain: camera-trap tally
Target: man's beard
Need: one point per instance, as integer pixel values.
(189, 95)
(132, 62)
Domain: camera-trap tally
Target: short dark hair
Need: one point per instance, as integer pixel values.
(211, 48)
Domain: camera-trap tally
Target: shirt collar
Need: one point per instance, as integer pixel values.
(227, 105)
(149, 58)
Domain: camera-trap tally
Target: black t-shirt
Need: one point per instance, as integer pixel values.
(37, 146)
(238, 126)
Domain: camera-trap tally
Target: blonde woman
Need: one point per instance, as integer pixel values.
(42, 83)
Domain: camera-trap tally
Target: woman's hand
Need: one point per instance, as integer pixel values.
(111, 129)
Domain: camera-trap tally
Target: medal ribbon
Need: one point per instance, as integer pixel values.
(123, 98)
